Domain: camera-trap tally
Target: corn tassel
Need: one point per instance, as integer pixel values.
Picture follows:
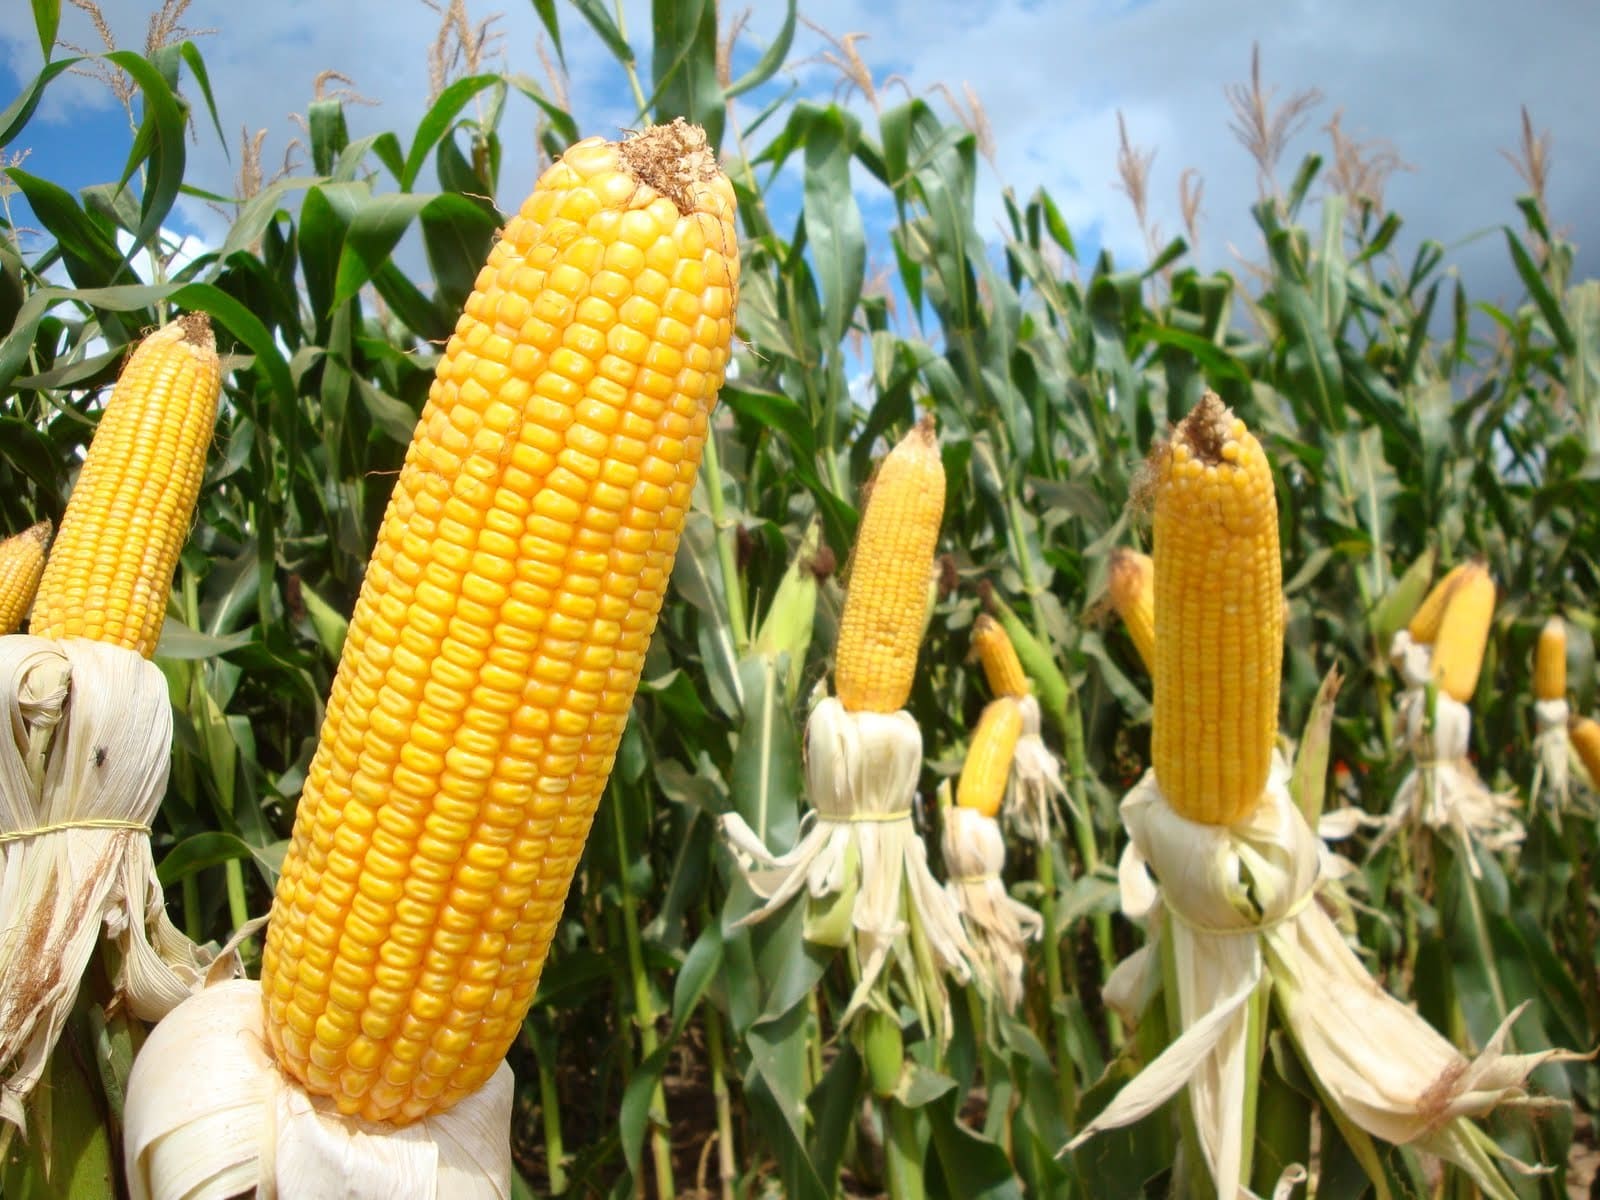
(886, 599)
(1218, 588)
(1001, 666)
(1464, 634)
(21, 564)
(498, 639)
(109, 575)
(1550, 661)
(1133, 595)
(987, 769)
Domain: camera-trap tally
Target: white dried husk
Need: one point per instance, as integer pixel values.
(999, 927)
(209, 1114)
(89, 730)
(1034, 789)
(1239, 909)
(1553, 751)
(860, 847)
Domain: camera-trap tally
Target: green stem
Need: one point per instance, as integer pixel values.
(903, 1150)
(550, 1110)
(1084, 833)
(1055, 989)
(726, 547)
(633, 75)
(727, 1165)
(238, 906)
(1480, 936)
(193, 926)
(644, 1013)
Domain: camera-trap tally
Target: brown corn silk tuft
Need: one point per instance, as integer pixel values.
(21, 565)
(886, 597)
(501, 628)
(109, 574)
(1219, 593)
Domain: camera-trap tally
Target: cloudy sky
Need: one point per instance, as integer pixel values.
(1442, 80)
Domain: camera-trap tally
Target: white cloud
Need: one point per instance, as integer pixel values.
(1442, 79)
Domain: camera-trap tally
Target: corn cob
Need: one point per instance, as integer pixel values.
(1218, 588)
(1585, 735)
(886, 601)
(994, 743)
(1001, 666)
(1133, 595)
(1464, 634)
(21, 563)
(109, 575)
(1424, 626)
(497, 642)
(1550, 662)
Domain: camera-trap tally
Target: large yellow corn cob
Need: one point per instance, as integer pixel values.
(1584, 732)
(109, 575)
(1133, 595)
(994, 744)
(21, 563)
(1219, 644)
(886, 601)
(1001, 666)
(1424, 626)
(1464, 633)
(497, 641)
(1550, 662)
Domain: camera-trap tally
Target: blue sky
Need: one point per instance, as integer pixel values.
(1441, 79)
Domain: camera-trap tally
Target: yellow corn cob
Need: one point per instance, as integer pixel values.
(1133, 595)
(994, 743)
(1464, 633)
(109, 575)
(886, 601)
(1550, 662)
(1424, 626)
(21, 563)
(1001, 666)
(1218, 588)
(1584, 733)
(497, 642)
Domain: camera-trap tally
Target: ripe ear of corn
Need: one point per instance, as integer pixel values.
(21, 564)
(1133, 595)
(109, 574)
(1550, 661)
(1464, 634)
(886, 598)
(988, 765)
(1218, 588)
(1424, 625)
(497, 642)
(1585, 735)
(1001, 666)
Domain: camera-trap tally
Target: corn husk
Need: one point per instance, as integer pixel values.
(998, 926)
(210, 1115)
(859, 847)
(90, 735)
(1443, 790)
(1552, 748)
(1237, 904)
(1035, 789)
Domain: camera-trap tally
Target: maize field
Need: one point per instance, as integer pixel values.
(644, 682)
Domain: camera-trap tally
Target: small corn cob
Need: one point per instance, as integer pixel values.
(886, 600)
(1550, 662)
(1424, 626)
(1464, 634)
(21, 564)
(497, 642)
(1001, 666)
(1218, 588)
(1584, 733)
(109, 575)
(1133, 595)
(994, 743)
